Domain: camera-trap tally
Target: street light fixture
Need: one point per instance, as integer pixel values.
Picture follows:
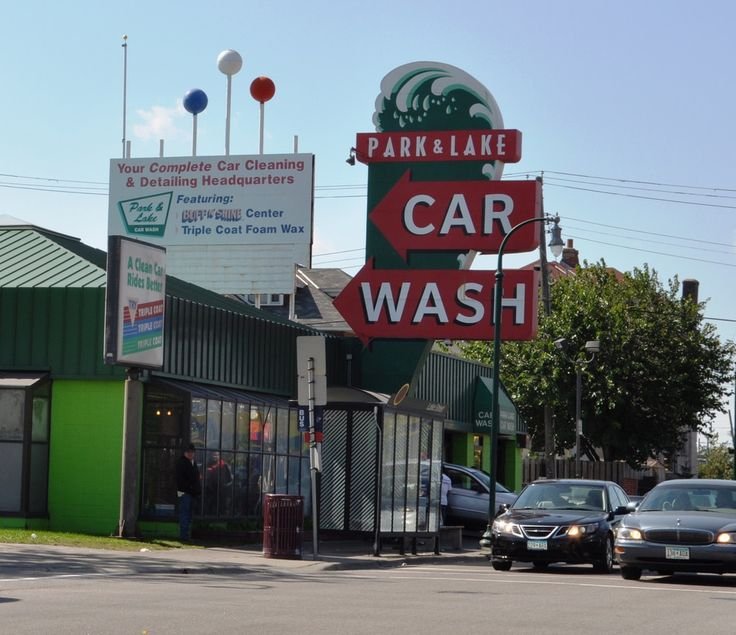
(591, 348)
(555, 245)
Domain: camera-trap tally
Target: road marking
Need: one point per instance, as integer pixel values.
(505, 579)
(53, 577)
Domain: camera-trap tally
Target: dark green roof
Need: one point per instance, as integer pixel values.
(31, 256)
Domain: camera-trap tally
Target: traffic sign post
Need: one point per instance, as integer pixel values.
(312, 392)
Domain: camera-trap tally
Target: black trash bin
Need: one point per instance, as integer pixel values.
(283, 523)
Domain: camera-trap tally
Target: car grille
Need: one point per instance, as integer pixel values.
(681, 536)
(538, 531)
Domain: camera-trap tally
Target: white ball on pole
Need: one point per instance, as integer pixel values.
(229, 62)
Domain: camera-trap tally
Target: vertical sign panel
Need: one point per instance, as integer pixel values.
(136, 296)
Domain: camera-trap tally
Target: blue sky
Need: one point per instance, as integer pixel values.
(626, 108)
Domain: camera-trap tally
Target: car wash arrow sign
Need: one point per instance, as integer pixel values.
(437, 304)
(458, 215)
(435, 194)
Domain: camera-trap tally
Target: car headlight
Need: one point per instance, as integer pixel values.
(506, 527)
(628, 533)
(575, 531)
(726, 538)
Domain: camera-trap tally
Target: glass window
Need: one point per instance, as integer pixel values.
(228, 425)
(40, 422)
(242, 452)
(242, 436)
(24, 450)
(269, 432)
(214, 410)
(11, 471)
(282, 474)
(39, 478)
(199, 421)
(12, 408)
(282, 431)
(257, 414)
(295, 436)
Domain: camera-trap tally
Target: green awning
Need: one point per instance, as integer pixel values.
(483, 410)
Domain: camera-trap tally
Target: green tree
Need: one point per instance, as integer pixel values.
(716, 461)
(661, 369)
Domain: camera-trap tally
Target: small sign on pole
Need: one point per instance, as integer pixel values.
(312, 394)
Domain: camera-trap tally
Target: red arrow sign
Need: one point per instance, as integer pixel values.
(459, 215)
(437, 304)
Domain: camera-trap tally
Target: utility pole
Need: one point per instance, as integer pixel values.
(550, 470)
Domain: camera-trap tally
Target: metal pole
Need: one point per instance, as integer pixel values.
(312, 456)
(379, 464)
(194, 135)
(131, 440)
(550, 468)
(495, 425)
(125, 88)
(578, 416)
(498, 299)
(227, 114)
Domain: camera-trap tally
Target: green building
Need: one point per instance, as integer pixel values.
(228, 384)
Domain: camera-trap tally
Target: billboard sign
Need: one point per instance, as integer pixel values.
(134, 303)
(215, 200)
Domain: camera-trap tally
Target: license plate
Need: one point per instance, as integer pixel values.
(536, 545)
(677, 553)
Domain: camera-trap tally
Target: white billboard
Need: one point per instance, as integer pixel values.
(233, 224)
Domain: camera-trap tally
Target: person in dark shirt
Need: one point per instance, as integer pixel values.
(188, 488)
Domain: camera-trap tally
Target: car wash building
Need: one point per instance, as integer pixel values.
(226, 377)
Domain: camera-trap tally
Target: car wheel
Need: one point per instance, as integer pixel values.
(605, 564)
(630, 573)
(539, 565)
(501, 565)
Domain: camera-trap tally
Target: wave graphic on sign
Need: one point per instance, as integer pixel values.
(430, 95)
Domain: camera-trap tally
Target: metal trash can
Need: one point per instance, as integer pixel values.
(283, 524)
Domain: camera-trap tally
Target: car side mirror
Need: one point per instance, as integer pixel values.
(503, 508)
(623, 509)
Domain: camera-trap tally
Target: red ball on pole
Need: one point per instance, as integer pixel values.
(262, 89)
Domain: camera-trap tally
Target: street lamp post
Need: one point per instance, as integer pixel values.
(556, 246)
(591, 347)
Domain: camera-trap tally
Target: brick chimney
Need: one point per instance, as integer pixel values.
(570, 255)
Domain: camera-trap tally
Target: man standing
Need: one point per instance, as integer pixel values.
(188, 489)
(445, 488)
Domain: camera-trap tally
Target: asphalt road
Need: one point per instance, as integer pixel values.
(167, 598)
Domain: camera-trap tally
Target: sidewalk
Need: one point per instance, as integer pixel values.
(31, 561)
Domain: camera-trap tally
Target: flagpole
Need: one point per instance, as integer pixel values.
(125, 89)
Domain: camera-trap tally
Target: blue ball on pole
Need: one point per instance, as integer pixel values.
(195, 101)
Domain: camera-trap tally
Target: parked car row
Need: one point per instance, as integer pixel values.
(680, 526)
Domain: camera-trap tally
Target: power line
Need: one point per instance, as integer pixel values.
(658, 253)
(641, 231)
(645, 189)
(640, 196)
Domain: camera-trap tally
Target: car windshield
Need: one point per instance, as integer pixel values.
(561, 496)
(694, 497)
(485, 478)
